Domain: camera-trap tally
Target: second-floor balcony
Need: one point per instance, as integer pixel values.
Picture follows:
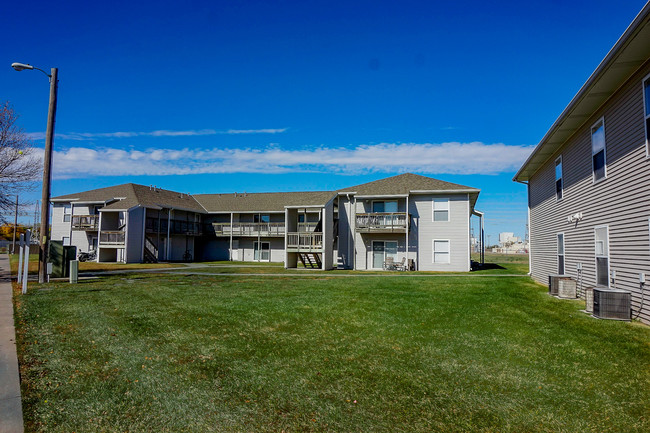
(176, 227)
(382, 222)
(85, 222)
(249, 229)
(111, 237)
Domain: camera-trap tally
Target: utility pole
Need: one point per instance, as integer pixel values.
(47, 178)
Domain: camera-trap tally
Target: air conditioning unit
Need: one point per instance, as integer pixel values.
(612, 304)
(554, 283)
(566, 288)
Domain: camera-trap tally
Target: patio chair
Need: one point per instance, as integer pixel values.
(389, 264)
(401, 266)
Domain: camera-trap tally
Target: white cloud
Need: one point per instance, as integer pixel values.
(85, 136)
(443, 158)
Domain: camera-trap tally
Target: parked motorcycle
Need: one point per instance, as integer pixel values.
(87, 257)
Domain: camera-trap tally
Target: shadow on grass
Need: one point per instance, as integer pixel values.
(487, 266)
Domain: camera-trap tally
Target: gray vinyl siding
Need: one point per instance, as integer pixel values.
(59, 228)
(456, 230)
(134, 236)
(328, 235)
(621, 201)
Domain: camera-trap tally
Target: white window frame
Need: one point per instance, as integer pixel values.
(433, 250)
(563, 255)
(66, 241)
(435, 208)
(372, 205)
(561, 179)
(591, 131)
(646, 117)
(606, 227)
(67, 211)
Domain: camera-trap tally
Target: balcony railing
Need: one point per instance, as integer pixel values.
(111, 237)
(305, 241)
(382, 221)
(249, 229)
(85, 222)
(177, 227)
(307, 227)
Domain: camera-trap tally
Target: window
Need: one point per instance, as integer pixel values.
(441, 209)
(264, 218)
(262, 251)
(67, 213)
(602, 255)
(558, 178)
(66, 240)
(382, 250)
(598, 156)
(560, 253)
(384, 206)
(441, 251)
(646, 113)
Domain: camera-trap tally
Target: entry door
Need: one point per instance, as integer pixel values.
(381, 250)
(262, 254)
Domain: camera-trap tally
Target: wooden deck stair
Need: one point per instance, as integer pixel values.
(150, 251)
(310, 260)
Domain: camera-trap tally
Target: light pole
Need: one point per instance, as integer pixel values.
(47, 168)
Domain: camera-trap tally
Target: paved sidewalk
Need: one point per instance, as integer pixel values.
(11, 412)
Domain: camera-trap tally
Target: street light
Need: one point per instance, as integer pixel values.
(47, 168)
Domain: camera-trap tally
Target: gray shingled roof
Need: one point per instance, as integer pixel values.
(405, 183)
(132, 195)
(268, 201)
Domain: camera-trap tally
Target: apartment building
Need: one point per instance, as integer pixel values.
(407, 221)
(588, 182)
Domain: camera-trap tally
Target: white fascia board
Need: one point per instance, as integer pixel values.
(478, 213)
(446, 191)
(228, 212)
(66, 200)
(363, 197)
(311, 206)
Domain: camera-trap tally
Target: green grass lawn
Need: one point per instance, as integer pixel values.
(244, 353)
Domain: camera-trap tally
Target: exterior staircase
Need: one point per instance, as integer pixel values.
(150, 251)
(310, 260)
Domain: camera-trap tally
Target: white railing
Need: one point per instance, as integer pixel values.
(111, 238)
(307, 227)
(85, 222)
(249, 229)
(383, 220)
(305, 241)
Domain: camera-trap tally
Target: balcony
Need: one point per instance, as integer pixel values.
(307, 227)
(305, 242)
(85, 222)
(249, 229)
(111, 238)
(177, 227)
(382, 222)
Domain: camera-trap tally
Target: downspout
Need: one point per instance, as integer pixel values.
(259, 239)
(169, 228)
(231, 229)
(408, 220)
(71, 218)
(354, 235)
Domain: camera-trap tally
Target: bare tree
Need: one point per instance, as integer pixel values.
(19, 164)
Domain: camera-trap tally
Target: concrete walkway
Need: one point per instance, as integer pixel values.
(11, 412)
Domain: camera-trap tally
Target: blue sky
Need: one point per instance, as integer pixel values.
(222, 96)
